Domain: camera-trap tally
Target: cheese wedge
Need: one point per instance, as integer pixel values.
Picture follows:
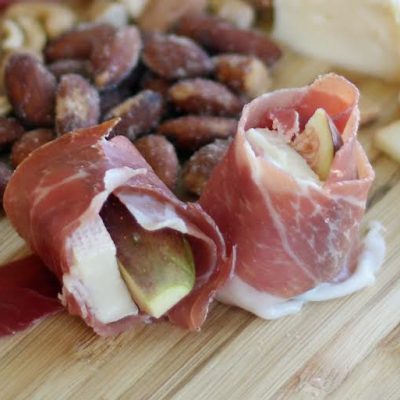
(360, 35)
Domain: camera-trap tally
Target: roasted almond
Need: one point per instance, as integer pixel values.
(193, 131)
(139, 114)
(29, 142)
(221, 36)
(70, 66)
(244, 74)
(203, 96)
(10, 131)
(175, 57)
(77, 104)
(78, 43)
(31, 89)
(161, 156)
(5, 175)
(114, 58)
(199, 167)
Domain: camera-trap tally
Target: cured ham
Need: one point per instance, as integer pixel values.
(61, 200)
(28, 293)
(295, 222)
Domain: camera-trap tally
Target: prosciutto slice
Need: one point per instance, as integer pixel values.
(28, 293)
(297, 240)
(54, 199)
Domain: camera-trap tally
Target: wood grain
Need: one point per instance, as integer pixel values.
(343, 349)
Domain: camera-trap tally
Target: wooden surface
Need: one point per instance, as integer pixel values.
(347, 349)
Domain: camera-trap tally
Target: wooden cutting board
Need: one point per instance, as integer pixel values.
(342, 349)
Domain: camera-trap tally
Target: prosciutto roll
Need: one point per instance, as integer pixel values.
(123, 247)
(290, 195)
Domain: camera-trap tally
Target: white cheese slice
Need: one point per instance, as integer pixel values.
(267, 306)
(95, 275)
(361, 35)
(273, 147)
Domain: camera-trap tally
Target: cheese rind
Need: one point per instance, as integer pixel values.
(361, 35)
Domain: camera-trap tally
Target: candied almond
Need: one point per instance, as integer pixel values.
(175, 57)
(161, 156)
(31, 89)
(10, 131)
(221, 36)
(77, 104)
(245, 74)
(5, 175)
(28, 143)
(70, 66)
(203, 96)
(114, 58)
(198, 169)
(78, 43)
(139, 114)
(193, 131)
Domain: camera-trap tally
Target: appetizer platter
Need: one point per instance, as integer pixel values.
(199, 200)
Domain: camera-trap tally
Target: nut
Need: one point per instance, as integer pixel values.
(116, 56)
(160, 15)
(191, 132)
(22, 33)
(175, 57)
(64, 67)
(161, 156)
(203, 96)
(135, 8)
(77, 104)
(31, 89)
(5, 175)
(244, 74)
(10, 131)
(12, 36)
(111, 13)
(55, 18)
(199, 167)
(222, 37)
(78, 43)
(139, 114)
(238, 12)
(29, 142)
(5, 106)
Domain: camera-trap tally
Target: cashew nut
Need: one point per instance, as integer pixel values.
(34, 35)
(112, 13)
(238, 12)
(11, 36)
(5, 106)
(22, 33)
(55, 18)
(134, 8)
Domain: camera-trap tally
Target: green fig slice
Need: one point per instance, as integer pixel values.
(318, 143)
(157, 266)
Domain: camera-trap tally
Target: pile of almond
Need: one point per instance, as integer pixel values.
(178, 95)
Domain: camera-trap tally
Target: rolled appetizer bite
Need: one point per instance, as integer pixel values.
(124, 248)
(290, 195)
